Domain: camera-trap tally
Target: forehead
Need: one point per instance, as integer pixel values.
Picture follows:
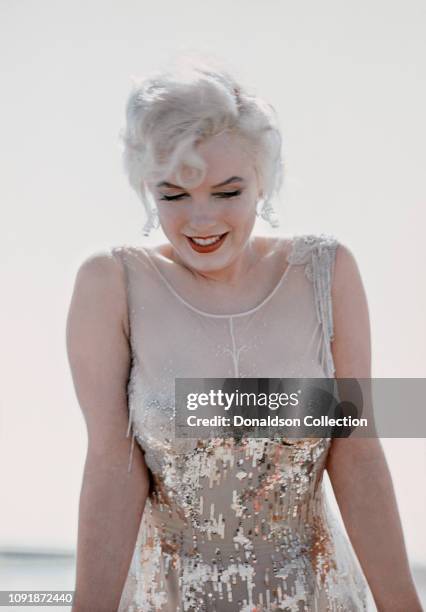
(223, 149)
(225, 155)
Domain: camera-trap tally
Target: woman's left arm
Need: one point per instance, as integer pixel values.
(357, 467)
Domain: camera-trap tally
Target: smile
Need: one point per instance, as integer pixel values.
(206, 244)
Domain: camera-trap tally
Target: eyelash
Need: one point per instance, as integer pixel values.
(224, 195)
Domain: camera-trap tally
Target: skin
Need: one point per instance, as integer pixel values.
(246, 268)
(111, 499)
(239, 275)
(205, 211)
(357, 467)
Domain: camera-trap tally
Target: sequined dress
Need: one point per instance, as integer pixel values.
(241, 526)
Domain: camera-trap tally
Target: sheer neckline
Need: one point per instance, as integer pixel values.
(227, 315)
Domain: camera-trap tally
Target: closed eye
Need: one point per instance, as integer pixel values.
(229, 194)
(223, 194)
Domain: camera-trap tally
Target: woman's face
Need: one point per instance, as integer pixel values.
(210, 224)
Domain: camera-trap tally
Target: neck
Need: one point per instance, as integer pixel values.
(232, 274)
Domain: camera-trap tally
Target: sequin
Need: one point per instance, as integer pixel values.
(239, 525)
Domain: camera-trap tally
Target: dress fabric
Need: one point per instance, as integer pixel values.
(234, 525)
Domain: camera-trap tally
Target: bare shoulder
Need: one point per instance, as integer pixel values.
(352, 343)
(100, 280)
(347, 284)
(346, 276)
(101, 263)
(101, 274)
(99, 354)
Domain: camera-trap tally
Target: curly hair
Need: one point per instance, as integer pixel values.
(170, 111)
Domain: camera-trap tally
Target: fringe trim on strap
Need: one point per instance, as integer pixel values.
(317, 253)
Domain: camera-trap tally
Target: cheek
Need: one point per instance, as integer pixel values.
(242, 213)
(170, 215)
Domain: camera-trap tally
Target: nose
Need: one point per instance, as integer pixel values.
(203, 219)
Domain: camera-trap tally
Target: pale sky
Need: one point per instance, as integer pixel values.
(348, 82)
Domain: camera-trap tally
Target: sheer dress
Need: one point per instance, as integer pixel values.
(241, 526)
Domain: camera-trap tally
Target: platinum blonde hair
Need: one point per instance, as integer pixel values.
(169, 112)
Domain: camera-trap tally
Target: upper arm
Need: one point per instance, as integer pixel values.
(99, 356)
(351, 348)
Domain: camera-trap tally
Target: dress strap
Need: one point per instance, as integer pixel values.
(119, 253)
(317, 253)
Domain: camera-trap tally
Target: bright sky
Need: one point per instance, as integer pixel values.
(348, 82)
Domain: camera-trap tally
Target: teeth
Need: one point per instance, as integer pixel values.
(206, 241)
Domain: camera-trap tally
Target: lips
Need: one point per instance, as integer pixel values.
(207, 248)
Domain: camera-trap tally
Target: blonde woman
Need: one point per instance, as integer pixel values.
(221, 524)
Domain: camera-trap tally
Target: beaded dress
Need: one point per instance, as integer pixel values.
(234, 525)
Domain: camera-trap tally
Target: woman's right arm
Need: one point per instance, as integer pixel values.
(112, 499)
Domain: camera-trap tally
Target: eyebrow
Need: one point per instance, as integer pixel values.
(232, 179)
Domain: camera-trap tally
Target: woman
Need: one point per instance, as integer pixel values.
(220, 524)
